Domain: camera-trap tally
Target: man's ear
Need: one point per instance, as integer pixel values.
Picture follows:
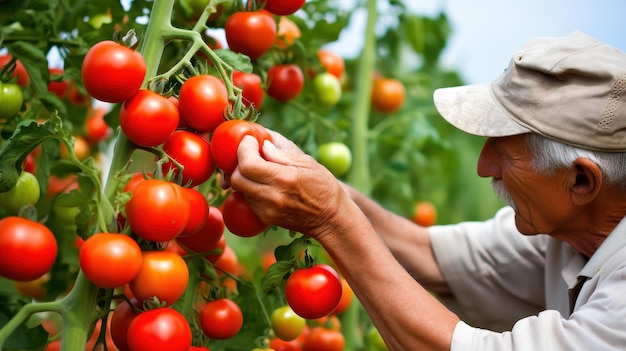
(586, 181)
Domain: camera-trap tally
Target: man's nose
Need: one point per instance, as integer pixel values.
(488, 161)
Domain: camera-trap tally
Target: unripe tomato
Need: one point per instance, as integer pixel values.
(21, 241)
(148, 119)
(313, 292)
(284, 82)
(110, 260)
(327, 89)
(221, 319)
(287, 325)
(335, 156)
(11, 99)
(240, 25)
(387, 95)
(112, 72)
(26, 192)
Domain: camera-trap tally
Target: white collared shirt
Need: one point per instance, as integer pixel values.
(514, 290)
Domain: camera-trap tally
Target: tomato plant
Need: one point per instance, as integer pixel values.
(159, 329)
(21, 240)
(284, 82)
(11, 99)
(313, 292)
(226, 139)
(239, 217)
(158, 210)
(158, 267)
(240, 24)
(220, 319)
(193, 152)
(112, 72)
(335, 156)
(110, 260)
(26, 192)
(202, 102)
(148, 119)
(287, 325)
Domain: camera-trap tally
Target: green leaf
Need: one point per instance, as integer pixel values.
(237, 61)
(275, 274)
(22, 338)
(35, 62)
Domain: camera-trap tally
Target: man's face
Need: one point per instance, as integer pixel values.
(539, 200)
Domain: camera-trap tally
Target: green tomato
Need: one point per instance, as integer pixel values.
(11, 99)
(376, 341)
(25, 193)
(287, 325)
(335, 156)
(327, 89)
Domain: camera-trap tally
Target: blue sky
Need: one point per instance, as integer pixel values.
(486, 33)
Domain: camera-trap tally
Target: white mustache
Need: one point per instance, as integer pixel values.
(498, 188)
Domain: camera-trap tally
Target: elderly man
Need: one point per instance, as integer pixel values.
(547, 272)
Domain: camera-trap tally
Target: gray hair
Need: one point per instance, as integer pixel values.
(550, 155)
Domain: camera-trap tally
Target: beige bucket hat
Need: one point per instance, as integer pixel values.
(571, 89)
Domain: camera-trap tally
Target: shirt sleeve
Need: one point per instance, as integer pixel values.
(495, 273)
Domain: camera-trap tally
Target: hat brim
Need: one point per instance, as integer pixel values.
(473, 109)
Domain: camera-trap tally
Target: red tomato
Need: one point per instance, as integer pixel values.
(239, 217)
(112, 72)
(313, 292)
(121, 318)
(159, 329)
(207, 237)
(240, 25)
(251, 88)
(283, 7)
(96, 128)
(199, 213)
(148, 119)
(226, 138)
(284, 82)
(202, 101)
(28, 248)
(59, 88)
(218, 249)
(20, 71)
(110, 260)
(228, 262)
(163, 274)
(221, 319)
(331, 62)
(158, 210)
(387, 95)
(193, 151)
(282, 345)
(321, 338)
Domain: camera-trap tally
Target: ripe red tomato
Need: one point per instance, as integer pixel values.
(159, 329)
(331, 62)
(218, 250)
(121, 318)
(239, 26)
(313, 292)
(251, 88)
(388, 95)
(110, 260)
(283, 7)
(148, 119)
(96, 128)
(321, 338)
(287, 325)
(58, 87)
(221, 319)
(163, 274)
(284, 82)
(198, 216)
(239, 217)
(202, 101)
(158, 210)
(112, 72)
(206, 238)
(282, 345)
(20, 71)
(226, 138)
(193, 151)
(28, 248)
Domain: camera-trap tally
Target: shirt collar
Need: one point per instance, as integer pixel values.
(615, 241)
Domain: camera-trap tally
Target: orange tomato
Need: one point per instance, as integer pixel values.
(388, 95)
(424, 213)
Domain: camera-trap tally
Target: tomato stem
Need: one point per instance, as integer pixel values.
(22, 315)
